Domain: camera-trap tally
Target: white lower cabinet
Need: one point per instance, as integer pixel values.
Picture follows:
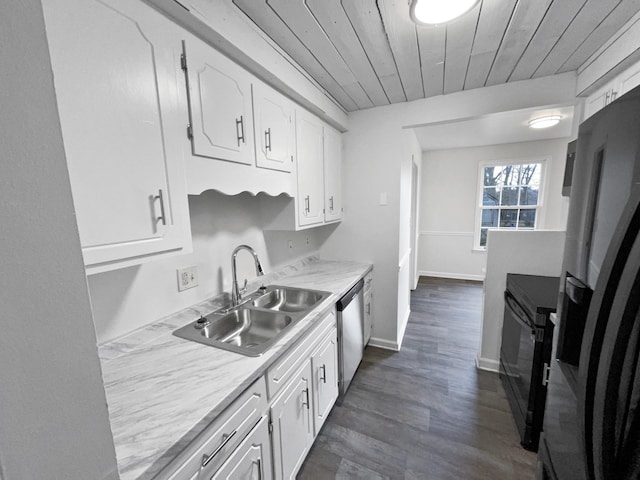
(292, 420)
(324, 363)
(251, 460)
(302, 400)
(264, 436)
(221, 441)
(368, 307)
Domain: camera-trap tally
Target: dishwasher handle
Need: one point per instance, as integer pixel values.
(350, 295)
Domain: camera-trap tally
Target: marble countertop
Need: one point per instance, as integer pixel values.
(162, 391)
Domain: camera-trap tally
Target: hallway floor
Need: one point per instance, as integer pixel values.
(425, 412)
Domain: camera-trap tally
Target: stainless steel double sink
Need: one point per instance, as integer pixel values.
(254, 326)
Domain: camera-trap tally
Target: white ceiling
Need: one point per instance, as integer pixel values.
(368, 53)
(505, 127)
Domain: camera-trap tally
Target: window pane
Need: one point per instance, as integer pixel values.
(530, 174)
(511, 174)
(527, 218)
(492, 176)
(529, 195)
(508, 218)
(483, 237)
(490, 217)
(490, 196)
(509, 196)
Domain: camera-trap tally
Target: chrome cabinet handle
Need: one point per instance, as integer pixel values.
(267, 139)
(306, 403)
(162, 218)
(545, 374)
(240, 132)
(307, 204)
(323, 367)
(259, 462)
(331, 203)
(225, 439)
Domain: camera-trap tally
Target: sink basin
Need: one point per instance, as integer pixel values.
(255, 326)
(245, 330)
(289, 299)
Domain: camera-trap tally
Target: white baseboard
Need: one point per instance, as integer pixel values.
(487, 364)
(455, 276)
(383, 343)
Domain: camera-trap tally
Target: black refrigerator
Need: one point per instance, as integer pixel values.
(591, 428)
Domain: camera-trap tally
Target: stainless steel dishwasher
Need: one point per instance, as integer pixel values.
(350, 335)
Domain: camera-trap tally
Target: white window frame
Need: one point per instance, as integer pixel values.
(543, 161)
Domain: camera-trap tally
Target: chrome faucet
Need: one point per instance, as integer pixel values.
(236, 293)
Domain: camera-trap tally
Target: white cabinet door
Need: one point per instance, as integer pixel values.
(368, 318)
(252, 459)
(291, 416)
(274, 129)
(118, 84)
(309, 146)
(332, 175)
(324, 363)
(219, 105)
(628, 80)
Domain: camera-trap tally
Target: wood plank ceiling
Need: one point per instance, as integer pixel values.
(368, 53)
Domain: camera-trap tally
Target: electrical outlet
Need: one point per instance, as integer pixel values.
(187, 278)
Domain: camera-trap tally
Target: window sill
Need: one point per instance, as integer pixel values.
(479, 250)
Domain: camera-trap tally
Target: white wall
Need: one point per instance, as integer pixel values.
(126, 299)
(532, 253)
(411, 153)
(447, 220)
(374, 147)
(53, 412)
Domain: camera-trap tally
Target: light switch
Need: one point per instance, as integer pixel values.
(383, 198)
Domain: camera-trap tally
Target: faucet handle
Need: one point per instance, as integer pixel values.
(244, 287)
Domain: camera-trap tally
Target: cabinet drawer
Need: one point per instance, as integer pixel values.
(212, 447)
(252, 459)
(280, 372)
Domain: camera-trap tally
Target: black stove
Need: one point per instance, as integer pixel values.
(525, 353)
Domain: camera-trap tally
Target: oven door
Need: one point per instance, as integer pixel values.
(521, 361)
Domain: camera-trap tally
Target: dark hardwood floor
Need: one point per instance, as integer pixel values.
(425, 412)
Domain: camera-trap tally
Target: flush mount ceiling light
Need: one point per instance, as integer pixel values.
(545, 122)
(432, 12)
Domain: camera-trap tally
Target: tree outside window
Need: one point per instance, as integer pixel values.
(510, 197)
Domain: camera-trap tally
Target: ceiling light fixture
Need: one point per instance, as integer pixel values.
(433, 12)
(545, 122)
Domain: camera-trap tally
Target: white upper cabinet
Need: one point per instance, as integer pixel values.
(621, 84)
(319, 179)
(332, 175)
(119, 88)
(310, 171)
(274, 129)
(219, 105)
